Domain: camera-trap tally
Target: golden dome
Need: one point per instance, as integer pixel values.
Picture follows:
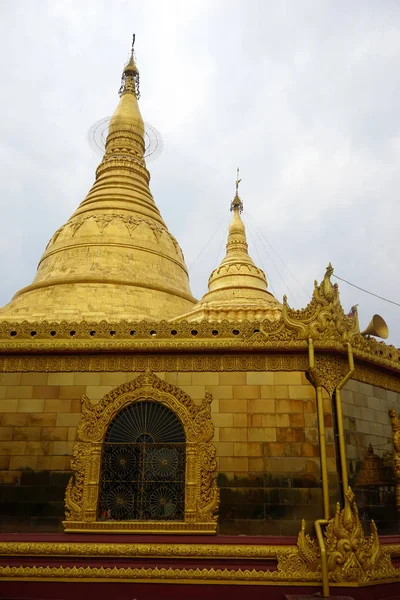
(114, 259)
(237, 289)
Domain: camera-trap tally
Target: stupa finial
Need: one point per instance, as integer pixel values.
(236, 203)
(130, 75)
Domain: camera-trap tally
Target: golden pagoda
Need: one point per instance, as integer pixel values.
(147, 438)
(114, 258)
(237, 289)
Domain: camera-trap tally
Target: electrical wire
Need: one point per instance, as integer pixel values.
(366, 291)
(269, 280)
(204, 247)
(273, 262)
(281, 259)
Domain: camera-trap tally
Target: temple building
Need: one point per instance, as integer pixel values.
(151, 440)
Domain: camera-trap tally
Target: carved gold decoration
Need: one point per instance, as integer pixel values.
(395, 419)
(330, 371)
(201, 493)
(351, 557)
(129, 363)
(204, 575)
(324, 317)
(178, 551)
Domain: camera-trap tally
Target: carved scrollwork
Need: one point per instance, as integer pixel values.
(330, 371)
(351, 557)
(201, 493)
(324, 317)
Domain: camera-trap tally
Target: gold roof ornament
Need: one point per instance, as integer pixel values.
(114, 259)
(237, 289)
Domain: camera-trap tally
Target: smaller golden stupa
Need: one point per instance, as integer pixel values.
(237, 289)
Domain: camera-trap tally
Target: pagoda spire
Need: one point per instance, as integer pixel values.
(237, 289)
(114, 258)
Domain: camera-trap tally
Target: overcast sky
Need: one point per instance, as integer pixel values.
(303, 95)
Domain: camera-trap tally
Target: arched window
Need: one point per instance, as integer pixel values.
(143, 462)
(142, 473)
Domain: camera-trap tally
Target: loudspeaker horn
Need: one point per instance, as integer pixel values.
(377, 327)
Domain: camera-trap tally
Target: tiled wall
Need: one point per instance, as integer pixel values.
(266, 436)
(366, 421)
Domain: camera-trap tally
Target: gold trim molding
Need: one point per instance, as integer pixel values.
(201, 492)
(186, 363)
(119, 550)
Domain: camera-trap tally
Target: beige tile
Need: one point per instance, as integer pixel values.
(232, 378)
(240, 449)
(30, 405)
(58, 463)
(96, 392)
(6, 433)
(261, 405)
(17, 419)
(26, 433)
(44, 463)
(72, 434)
(10, 379)
(214, 406)
(233, 405)
(72, 391)
(224, 448)
(233, 434)
(262, 434)
(23, 462)
(42, 419)
(301, 391)
(86, 379)
(45, 391)
(221, 391)
(256, 465)
(61, 379)
(223, 420)
(194, 391)
(19, 391)
(34, 378)
(37, 448)
(260, 378)
(184, 379)
(246, 391)
(114, 379)
(68, 420)
(62, 448)
(4, 466)
(3, 390)
(55, 434)
(240, 420)
(7, 447)
(233, 464)
(287, 378)
(59, 405)
(206, 379)
(8, 405)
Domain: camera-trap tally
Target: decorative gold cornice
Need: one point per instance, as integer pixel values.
(179, 550)
(151, 575)
(158, 363)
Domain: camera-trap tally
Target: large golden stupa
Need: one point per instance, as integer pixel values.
(150, 439)
(114, 258)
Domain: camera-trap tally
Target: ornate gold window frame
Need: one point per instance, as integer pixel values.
(201, 492)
